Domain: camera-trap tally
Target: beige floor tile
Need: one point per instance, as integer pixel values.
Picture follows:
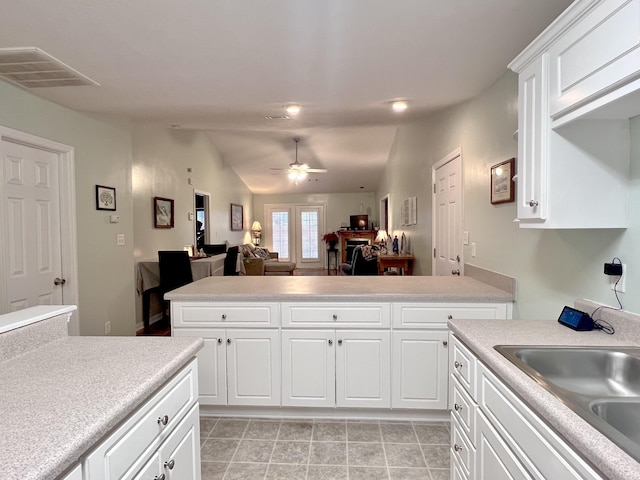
(291, 452)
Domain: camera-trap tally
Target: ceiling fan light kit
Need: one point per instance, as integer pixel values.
(399, 106)
(293, 109)
(298, 171)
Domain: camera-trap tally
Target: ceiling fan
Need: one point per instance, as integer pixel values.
(296, 170)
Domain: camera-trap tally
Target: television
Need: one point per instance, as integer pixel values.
(359, 222)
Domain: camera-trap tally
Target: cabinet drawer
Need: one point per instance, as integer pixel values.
(599, 53)
(412, 315)
(225, 314)
(119, 456)
(463, 366)
(461, 449)
(463, 409)
(336, 315)
(524, 432)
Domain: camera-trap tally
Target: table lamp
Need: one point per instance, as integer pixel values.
(256, 229)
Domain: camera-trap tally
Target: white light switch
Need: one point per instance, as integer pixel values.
(120, 239)
(190, 216)
(465, 238)
(473, 250)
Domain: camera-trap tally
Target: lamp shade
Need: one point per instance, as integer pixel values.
(256, 227)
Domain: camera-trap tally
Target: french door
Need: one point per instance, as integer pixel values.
(295, 231)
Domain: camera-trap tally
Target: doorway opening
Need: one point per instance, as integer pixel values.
(202, 226)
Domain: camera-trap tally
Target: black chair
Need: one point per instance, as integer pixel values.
(230, 262)
(175, 271)
(360, 265)
(214, 249)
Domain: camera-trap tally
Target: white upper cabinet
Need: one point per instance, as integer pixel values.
(579, 83)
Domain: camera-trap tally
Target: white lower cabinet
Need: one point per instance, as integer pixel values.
(495, 436)
(238, 366)
(344, 368)
(179, 456)
(159, 441)
(74, 474)
(420, 360)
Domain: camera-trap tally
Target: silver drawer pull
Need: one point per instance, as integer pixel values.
(330, 342)
(224, 316)
(170, 464)
(457, 407)
(457, 447)
(445, 343)
(159, 477)
(457, 364)
(449, 317)
(335, 317)
(163, 420)
(340, 342)
(219, 341)
(228, 341)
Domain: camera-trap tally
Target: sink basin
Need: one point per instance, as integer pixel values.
(587, 371)
(600, 384)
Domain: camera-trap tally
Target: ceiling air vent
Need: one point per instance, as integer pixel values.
(30, 67)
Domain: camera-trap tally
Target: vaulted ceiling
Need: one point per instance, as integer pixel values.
(222, 66)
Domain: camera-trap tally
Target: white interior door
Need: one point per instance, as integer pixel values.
(32, 252)
(447, 219)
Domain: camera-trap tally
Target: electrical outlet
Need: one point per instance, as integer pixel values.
(120, 239)
(107, 328)
(620, 280)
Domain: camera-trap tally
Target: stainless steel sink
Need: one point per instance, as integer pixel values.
(601, 384)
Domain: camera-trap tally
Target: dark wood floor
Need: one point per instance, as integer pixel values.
(164, 330)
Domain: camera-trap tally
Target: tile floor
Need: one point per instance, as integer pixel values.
(253, 448)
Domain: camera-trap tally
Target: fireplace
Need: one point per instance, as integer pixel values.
(347, 236)
(352, 244)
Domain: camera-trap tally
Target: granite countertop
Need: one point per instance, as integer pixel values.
(481, 337)
(60, 399)
(340, 288)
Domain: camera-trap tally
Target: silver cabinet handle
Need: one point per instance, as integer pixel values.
(170, 464)
(219, 341)
(340, 341)
(228, 341)
(449, 317)
(330, 342)
(457, 447)
(533, 203)
(335, 317)
(159, 477)
(224, 316)
(457, 407)
(445, 343)
(59, 281)
(163, 420)
(457, 364)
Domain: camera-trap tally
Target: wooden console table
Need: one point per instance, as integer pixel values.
(345, 235)
(405, 262)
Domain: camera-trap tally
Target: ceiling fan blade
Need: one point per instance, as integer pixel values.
(280, 169)
(316, 170)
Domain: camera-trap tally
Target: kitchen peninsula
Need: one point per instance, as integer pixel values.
(374, 346)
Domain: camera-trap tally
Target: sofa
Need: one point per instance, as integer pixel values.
(260, 261)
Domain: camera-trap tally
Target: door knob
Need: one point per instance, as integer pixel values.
(455, 272)
(533, 203)
(59, 281)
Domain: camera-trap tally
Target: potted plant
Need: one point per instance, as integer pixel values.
(331, 238)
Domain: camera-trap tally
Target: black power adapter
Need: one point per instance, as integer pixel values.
(614, 269)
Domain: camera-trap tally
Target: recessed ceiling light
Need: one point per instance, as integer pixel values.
(399, 106)
(293, 109)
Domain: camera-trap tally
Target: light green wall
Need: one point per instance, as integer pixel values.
(102, 156)
(552, 266)
(161, 157)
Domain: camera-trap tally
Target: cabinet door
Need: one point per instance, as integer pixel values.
(363, 375)
(152, 469)
(308, 368)
(420, 362)
(533, 121)
(494, 459)
(253, 367)
(75, 474)
(180, 453)
(212, 364)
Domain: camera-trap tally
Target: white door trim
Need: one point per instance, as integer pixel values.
(68, 226)
(451, 156)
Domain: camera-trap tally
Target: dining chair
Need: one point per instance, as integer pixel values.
(175, 271)
(231, 262)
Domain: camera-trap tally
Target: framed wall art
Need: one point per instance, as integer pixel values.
(237, 220)
(502, 184)
(163, 215)
(105, 198)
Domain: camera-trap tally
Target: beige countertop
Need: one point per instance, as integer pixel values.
(482, 336)
(61, 398)
(340, 288)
